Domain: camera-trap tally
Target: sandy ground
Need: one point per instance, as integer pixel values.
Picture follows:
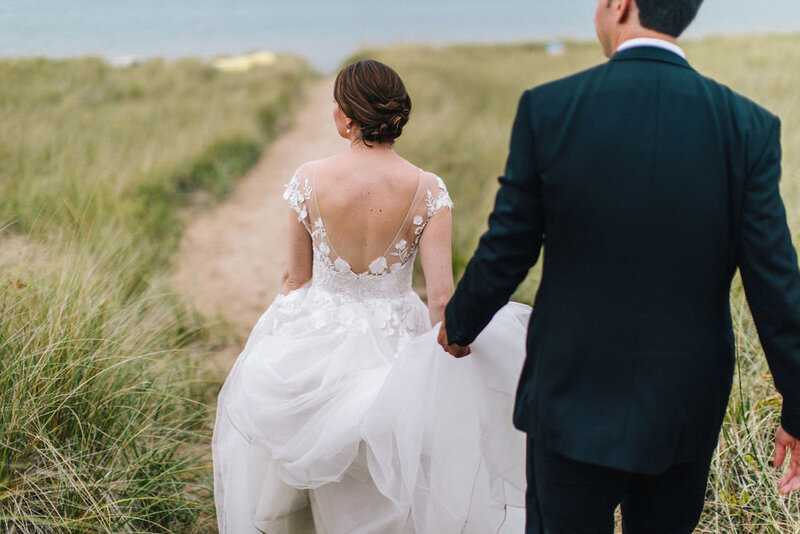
(231, 257)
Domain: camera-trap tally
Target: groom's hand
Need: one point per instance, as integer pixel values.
(456, 350)
(783, 442)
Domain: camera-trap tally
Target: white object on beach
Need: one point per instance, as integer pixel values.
(555, 48)
(246, 62)
(125, 61)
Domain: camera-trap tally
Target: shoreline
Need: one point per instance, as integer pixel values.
(331, 64)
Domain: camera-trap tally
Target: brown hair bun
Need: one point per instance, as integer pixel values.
(373, 95)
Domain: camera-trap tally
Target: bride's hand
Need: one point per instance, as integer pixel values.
(456, 350)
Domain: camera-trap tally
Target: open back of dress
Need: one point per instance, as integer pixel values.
(431, 195)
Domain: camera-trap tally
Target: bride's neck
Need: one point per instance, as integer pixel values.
(358, 147)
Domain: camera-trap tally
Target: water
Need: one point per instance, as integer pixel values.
(324, 31)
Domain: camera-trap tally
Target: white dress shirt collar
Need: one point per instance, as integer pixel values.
(648, 41)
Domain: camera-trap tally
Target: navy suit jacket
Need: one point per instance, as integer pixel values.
(647, 185)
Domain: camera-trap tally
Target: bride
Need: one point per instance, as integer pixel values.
(343, 415)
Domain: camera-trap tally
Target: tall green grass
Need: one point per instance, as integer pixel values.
(90, 149)
(100, 404)
(464, 101)
(104, 395)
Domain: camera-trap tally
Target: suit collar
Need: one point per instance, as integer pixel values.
(651, 41)
(650, 53)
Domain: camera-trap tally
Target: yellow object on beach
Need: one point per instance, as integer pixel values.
(245, 62)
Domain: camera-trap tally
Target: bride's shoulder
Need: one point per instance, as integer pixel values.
(307, 169)
(432, 181)
(322, 165)
(436, 193)
(299, 188)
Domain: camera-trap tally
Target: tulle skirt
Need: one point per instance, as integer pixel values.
(336, 430)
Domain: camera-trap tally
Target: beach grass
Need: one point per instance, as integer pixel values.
(104, 389)
(464, 99)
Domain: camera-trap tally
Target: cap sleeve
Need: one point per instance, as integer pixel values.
(437, 197)
(296, 193)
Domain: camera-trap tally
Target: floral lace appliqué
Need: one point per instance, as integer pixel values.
(433, 203)
(297, 196)
(441, 200)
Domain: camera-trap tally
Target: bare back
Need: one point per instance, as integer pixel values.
(364, 207)
(363, 216)
(369, 211)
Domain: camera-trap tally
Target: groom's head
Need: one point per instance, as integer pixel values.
(619, 20)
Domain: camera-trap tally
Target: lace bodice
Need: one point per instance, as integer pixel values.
(389, 274)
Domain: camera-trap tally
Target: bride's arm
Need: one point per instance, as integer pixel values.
(299, 265)
(436, 259)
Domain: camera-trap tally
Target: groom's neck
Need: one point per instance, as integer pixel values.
(638, 32)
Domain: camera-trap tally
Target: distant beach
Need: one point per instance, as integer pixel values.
(323, 32)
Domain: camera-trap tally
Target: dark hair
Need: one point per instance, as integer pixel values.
(667, 16)
(373, 95)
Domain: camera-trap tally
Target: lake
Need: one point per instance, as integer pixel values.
(323, 31)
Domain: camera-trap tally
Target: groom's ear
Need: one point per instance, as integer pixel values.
(623, 9)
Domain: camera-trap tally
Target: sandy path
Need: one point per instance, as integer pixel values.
(231, 258)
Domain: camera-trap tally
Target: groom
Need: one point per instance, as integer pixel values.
(648, 186)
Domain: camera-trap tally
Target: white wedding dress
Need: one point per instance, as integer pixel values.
(344, 416)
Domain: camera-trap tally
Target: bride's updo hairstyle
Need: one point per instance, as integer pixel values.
(373, 95)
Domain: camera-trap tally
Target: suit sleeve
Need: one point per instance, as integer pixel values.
(768, 264)
(511, 245)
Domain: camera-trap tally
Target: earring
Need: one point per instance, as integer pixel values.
(348, 130)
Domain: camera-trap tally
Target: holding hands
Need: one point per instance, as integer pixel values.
(459, 351)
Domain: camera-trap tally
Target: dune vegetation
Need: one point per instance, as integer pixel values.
(104, 395)
(464, 101)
